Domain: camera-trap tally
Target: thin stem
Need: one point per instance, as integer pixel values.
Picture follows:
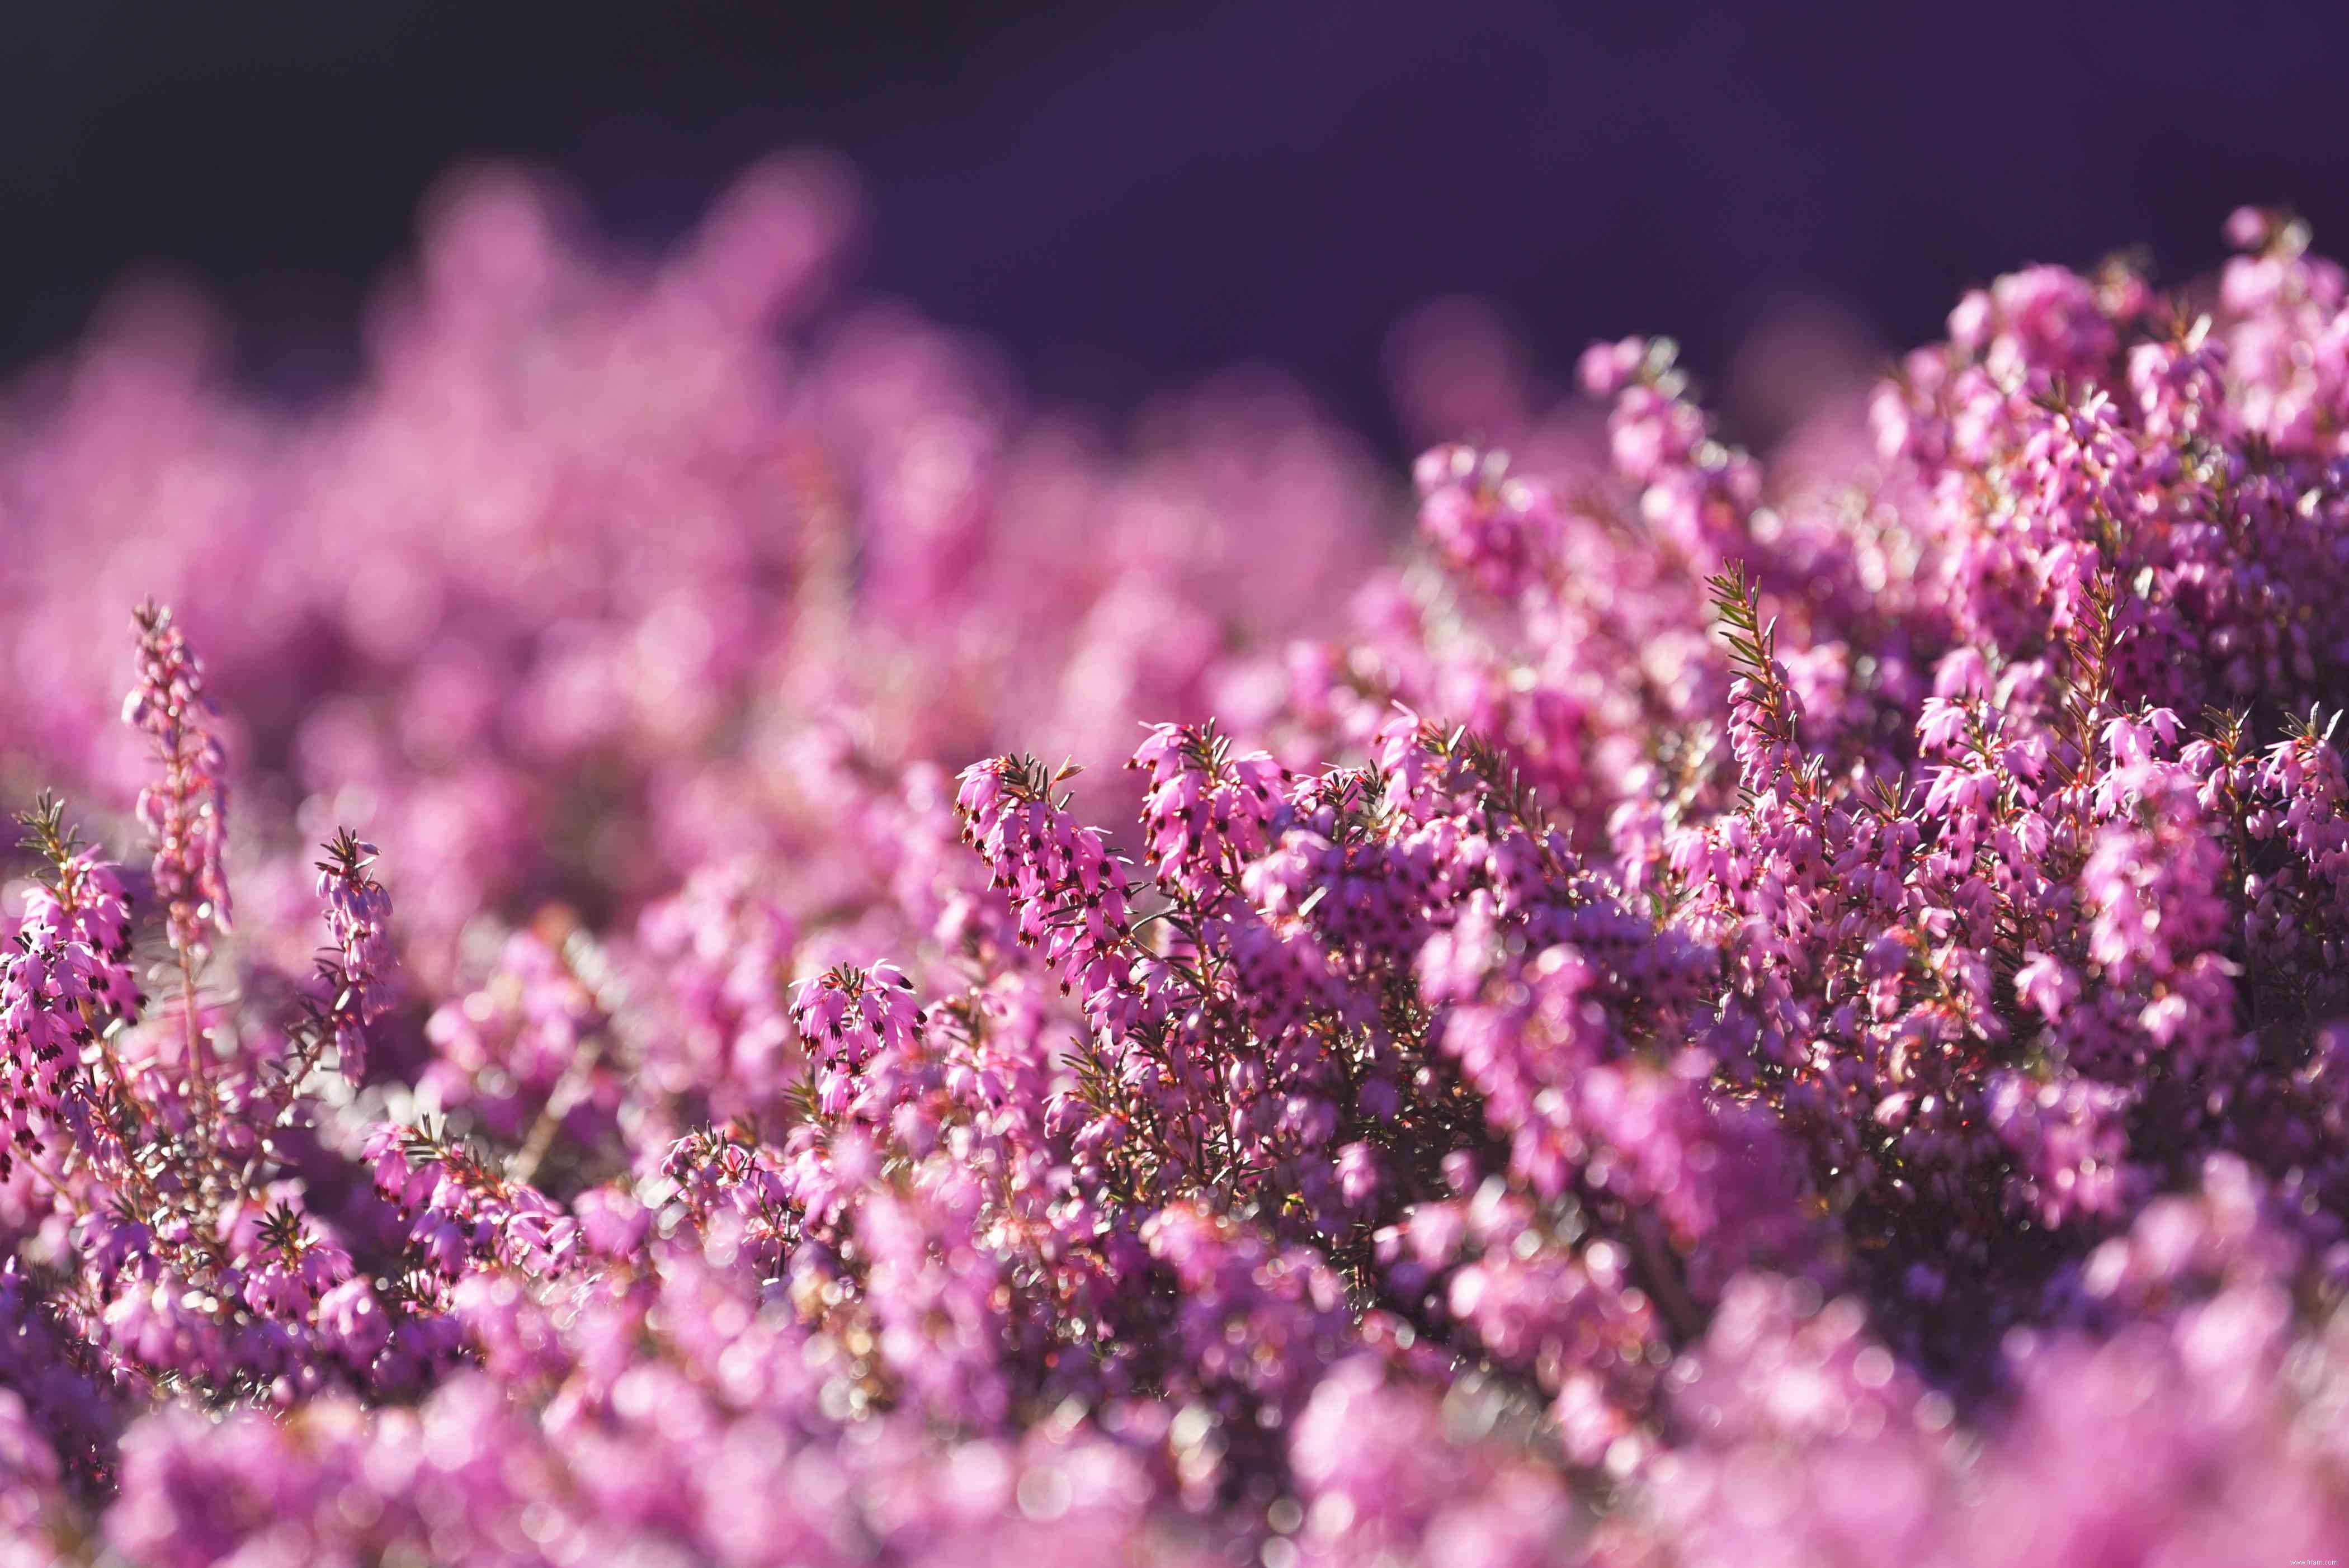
(198, 1073)
(1660, 1271)
(559, 1101)
(123, 1083)
(57, 1182)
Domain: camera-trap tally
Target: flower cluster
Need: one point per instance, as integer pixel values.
(1706, 1005)
(186, 808)
(359, 919)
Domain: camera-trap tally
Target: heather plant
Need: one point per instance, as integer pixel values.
(1703, 1005)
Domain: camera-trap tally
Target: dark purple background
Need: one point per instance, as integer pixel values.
(1132, 199)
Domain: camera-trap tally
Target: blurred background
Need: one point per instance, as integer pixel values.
(1125, 200)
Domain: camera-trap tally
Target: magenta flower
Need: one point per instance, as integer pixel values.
(186, 809)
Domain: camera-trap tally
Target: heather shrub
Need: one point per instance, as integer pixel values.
(1643, 1003)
